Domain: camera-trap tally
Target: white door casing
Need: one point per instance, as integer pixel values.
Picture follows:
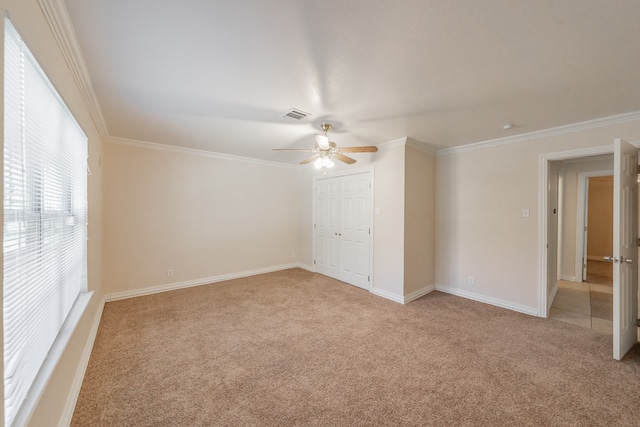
(342, 227)
(625, 252)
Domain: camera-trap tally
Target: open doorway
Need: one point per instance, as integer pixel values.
(583, 294)
(625, 330)
(598, 236)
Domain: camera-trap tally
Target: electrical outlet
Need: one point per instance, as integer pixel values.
(471, 281)
(170, 272)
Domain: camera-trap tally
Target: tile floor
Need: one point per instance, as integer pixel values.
(588, 304)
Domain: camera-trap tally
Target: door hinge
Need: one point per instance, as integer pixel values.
(315, 226)
(638, 241)
(368, 278)
(369, 231)
(638, 323)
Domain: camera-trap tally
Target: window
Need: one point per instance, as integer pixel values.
(45, 209)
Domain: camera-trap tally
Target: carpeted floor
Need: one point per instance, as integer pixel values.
(296, 348)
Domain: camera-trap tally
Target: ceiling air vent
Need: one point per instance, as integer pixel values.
(296, 114)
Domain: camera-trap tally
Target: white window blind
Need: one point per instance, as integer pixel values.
(45, 209)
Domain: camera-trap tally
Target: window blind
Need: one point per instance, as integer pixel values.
(45, 209)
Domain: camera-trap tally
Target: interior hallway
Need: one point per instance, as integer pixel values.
(588, 304)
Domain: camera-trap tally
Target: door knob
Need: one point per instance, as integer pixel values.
(627, 260)
(608, 258)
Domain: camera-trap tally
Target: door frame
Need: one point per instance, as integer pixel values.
(337, 174)
(543, 203)
(581, 220)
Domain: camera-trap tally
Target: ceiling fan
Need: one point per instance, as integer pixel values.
(325, 151)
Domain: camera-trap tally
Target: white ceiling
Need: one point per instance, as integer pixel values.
(218, 75)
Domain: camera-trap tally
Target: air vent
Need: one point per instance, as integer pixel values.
(296, 114)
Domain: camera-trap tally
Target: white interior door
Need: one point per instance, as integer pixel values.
(343, 228)
(327, 226)
(355, 218)
(625, 252)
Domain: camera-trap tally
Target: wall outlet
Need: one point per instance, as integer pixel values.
(170, 272)
(471, 281)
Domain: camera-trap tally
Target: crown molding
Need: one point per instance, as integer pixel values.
(192, 151)
(421, 146)
(392, 144)
(408, 142)
(55, 11)
(555, 131)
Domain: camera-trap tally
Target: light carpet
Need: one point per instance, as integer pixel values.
(294, 348)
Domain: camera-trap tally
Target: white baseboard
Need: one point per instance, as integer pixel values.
(488, 300)
(388, 295)
(419, 293)
(402, 299)
(307, 267)
(74, 393)
(197, 282)
(568, 278)
(552, 295)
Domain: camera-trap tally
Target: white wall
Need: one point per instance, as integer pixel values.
(201, 216)
(388, 251)
(28, 18)
(480, 230)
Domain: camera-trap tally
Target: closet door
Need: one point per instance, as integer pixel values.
(355, 229)
(343, 228)
(327, 226)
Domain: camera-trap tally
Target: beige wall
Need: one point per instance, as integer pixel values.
(30, 22)
(569, 172)
(600, 234)
(480, 230)
(419, 221)
(201, 216)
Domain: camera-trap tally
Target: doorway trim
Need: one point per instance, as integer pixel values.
(581, 209)
(543, 203)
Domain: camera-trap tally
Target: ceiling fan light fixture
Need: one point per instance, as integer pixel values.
(322, 141)
(324, 162)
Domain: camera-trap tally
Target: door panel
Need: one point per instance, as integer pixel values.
(327, 217)
(625, 252)
(355, 229)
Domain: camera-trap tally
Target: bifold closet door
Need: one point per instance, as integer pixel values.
(327, 226)
(343, 228)
(355, 229)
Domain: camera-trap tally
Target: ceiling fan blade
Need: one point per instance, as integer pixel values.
(293, 149)
(309, 159)
(366, 149)
(343, 158)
